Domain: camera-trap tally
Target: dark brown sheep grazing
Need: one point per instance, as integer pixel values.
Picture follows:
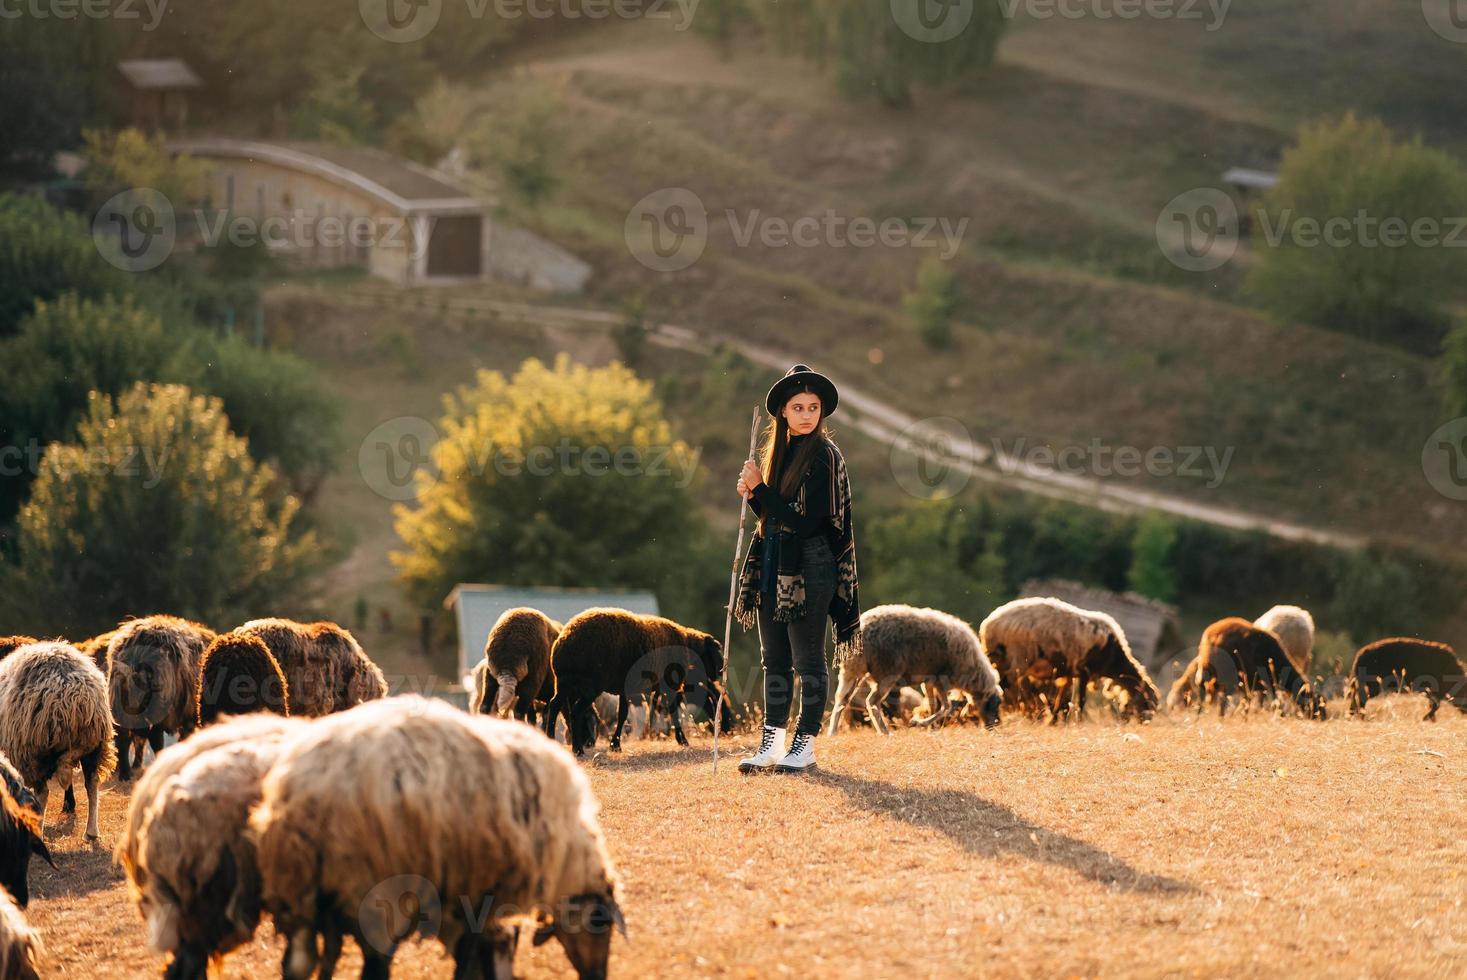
(20, 833)
(311, 671)
(627, 654)
(153, 681)
(514, 676)
(357, 678)
(96, 648)
(1401, 664)
(238, 676)
(1235, 655)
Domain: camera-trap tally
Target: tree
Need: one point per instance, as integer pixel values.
(563, 475)
(54, 73)
(71, 348)
(1151, 571)
(1374, 597)
(1356, 235)
(128, 159)
(155, 506)
(43, 253)
(881, 48)
(916, 555)
(932, 305)
(1454, 366)
(523, 141)
(275, 400)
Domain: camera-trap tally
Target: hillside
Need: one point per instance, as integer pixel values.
(1075, 330)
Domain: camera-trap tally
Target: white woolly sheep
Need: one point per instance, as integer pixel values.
(54, 714)
(1040, 640)
(20, 944)
(189, 860)
(479, 821)
(171, 761)
(1295, 629)
(153, 681)
(908, 645)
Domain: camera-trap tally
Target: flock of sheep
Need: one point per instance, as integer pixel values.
(298, 789)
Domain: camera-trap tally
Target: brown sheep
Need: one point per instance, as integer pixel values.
(54, 715)
(238, 676)
(1402, 664)
(1235, 654)
(1040, 642)
(20, 833)
(358, 679)
(624, 653)
(153, 681)
(514, 676)
(96, 648)
(312, 672)
(20, 943)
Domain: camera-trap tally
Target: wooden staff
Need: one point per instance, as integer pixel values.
(733, 591)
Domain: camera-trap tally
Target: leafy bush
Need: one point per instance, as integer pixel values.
(932, 305)
(64, 351)
(1454, 368)
(528, 489)
(44, 253)
(156, 505)
(1151, 558)
(276, 401)
(1375, 277)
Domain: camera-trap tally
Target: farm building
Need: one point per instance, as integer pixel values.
(1152, 627)
(156, 92)
(326, 206)
(476, 608)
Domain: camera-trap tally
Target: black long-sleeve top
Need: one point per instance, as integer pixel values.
(819, 494)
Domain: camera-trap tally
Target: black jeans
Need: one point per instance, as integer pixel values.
(799, 646)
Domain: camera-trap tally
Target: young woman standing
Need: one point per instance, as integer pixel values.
(801, 565)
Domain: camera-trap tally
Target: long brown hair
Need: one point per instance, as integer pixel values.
(773, 448)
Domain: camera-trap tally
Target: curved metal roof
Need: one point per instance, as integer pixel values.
(399, 183)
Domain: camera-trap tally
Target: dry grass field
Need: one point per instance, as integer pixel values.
(1192, 847)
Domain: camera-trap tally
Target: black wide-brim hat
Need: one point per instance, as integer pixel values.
(800, 378)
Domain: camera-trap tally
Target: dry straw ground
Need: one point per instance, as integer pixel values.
(1192, 847)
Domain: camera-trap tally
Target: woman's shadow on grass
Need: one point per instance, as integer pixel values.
(989, 829)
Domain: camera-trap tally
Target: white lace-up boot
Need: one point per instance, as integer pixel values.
(771, 747)
(801, 755)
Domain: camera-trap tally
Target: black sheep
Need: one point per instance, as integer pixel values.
(628, 655)
(1402, 664)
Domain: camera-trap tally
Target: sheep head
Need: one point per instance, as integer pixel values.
(584, 930)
